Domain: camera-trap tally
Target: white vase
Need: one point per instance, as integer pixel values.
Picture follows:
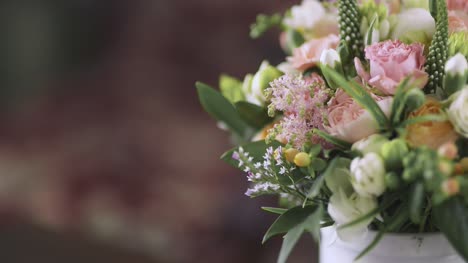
(393, 248)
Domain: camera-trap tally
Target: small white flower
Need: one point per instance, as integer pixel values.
(306, 15)
(456, 65)
(282, 170)
(458, 112)
(368, 175)
(254, 87)
(330, 58)
(344, 209)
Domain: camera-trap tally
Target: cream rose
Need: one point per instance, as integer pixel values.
(458, 112)
(308, 55)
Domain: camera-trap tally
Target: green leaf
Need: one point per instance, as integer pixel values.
(451, 218)
(221, 109)
(275, 210)
(256, 149)
(329, 138)
(263, 23)
(290, 240)
(398, 106)
(361, 96)
(231, 88)
(290, 219)
(310, 224)
(416, 202)
(370, 29)
(252, 114)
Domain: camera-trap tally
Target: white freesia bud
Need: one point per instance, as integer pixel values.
(368, 175)
(458, 112)
(344, 209)
(414, 25)
(306, 15)
(330, 58)
(371, 144)
(456, 65)
(254, 93)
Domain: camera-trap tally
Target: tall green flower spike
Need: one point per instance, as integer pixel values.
(352, 43)
(438, 50)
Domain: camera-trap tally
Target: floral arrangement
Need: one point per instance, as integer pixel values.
(365, 124)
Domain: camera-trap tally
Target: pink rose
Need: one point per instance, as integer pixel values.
(391, 62)
(459, 5)
(458, 21)
(308, 55)
(350, 122)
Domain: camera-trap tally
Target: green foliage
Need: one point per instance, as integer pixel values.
(416, 202)
(452, 219)
(254, 115)
(350, 35)
(294, 223)
(457, 44)
(256, 149)
(231, 88)
(438, 50)
(264, 23)
(329, 138)
(221, 109)
(275, 210)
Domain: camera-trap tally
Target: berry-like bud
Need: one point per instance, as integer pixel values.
(290, 154)
(448, 150)
(302, 159)
(451, 187)
(446, 167)
(393, 153)
(392, 180)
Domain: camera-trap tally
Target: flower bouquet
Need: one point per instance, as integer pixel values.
(363, 130)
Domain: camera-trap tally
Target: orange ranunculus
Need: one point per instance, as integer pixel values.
(432, 133)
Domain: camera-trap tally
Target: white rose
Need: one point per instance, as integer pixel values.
(370, 144)
(458, 112)
(345, 209)
(368, 175)
(415, 25)
(306, 15)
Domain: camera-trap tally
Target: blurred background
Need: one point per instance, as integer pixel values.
(105, 152)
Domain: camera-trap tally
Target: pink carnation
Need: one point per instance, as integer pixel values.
(350, 122)
(390, 62)
(308, 55)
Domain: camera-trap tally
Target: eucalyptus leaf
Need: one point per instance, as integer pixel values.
(275, 210)
(221, 109)
(231, 88)
(451, 217)
(288, 220)
(252, 114)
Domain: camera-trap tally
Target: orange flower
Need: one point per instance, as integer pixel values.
(432, 134)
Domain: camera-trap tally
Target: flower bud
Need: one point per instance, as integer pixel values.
(330, 58)
(414, 99)
(451, 187)
(392, 180)
(290, 154)
(448, 150)
(456, 70)
(409, 29)
(458, 112)
(302, 159)
(254, 92)
(370, 144)
(368, 175)
(393, 153)
(446, 167)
